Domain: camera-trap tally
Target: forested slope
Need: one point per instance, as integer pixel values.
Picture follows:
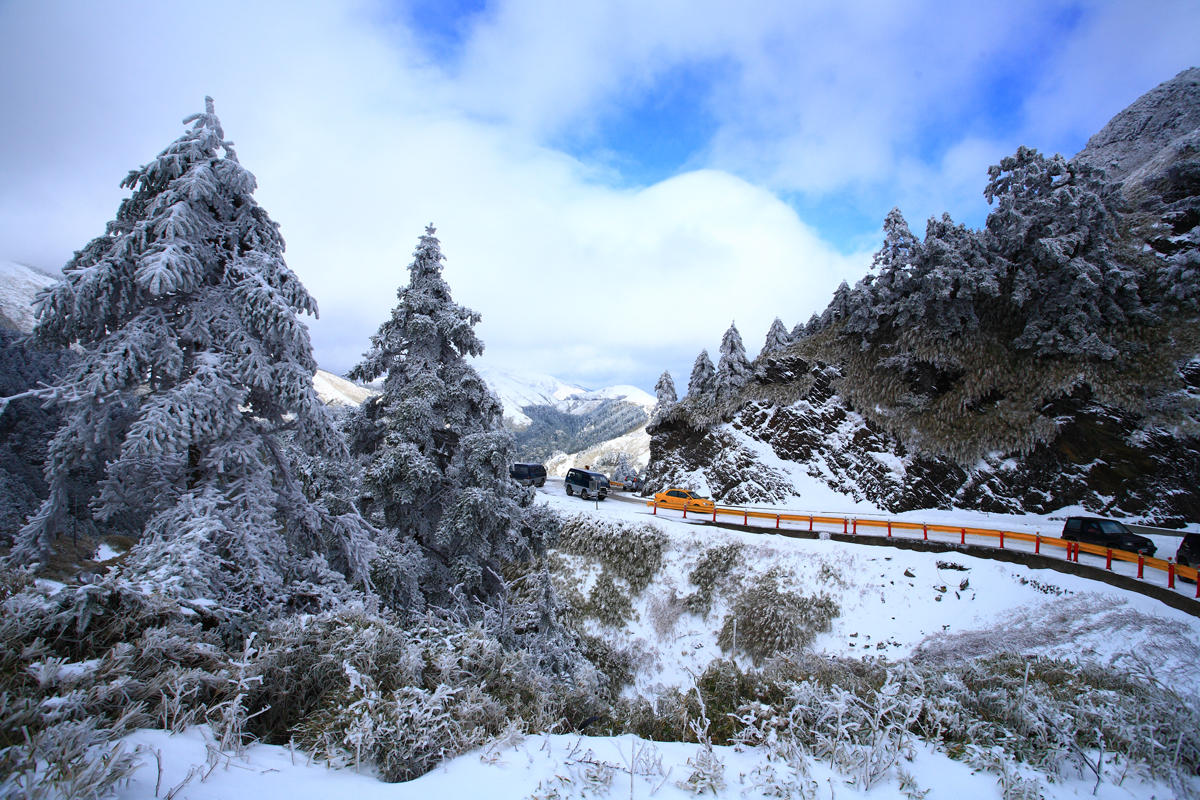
(1049, 359)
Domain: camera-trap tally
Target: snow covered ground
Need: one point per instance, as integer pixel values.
(892, 605)
(543, 766)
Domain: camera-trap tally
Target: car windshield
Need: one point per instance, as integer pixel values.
(1109, 526)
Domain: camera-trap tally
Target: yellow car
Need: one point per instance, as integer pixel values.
(682, 498)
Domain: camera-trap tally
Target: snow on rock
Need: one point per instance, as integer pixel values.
(19, 285)
(337, 391)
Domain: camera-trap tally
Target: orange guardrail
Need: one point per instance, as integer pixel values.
(850, 525)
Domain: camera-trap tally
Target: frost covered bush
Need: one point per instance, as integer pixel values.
(633, 551)
(608, 602)
(765, 620)
(711, 570)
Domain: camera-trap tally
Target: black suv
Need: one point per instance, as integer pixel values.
(581, 480)
(1188, 554)
(528, 474)
(1106, 533)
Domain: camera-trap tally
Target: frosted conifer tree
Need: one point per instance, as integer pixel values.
(733, 370)
(777, 338)
(665, 390)
(191, 361)
(438, 452)
(704, 376)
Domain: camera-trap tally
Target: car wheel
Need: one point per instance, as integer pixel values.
(1183, 562)
(570, 491)
(541, 484)
(583, 494)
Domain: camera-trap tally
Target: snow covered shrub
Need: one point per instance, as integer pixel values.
(633, 551)
(665, 609)
(608, 602)
(765, 620)
(710, 572)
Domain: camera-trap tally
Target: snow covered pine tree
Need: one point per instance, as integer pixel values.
(438, 452)
(704, 376)
(665, 390)
(192, 361)
(777, 339)
(733, 370)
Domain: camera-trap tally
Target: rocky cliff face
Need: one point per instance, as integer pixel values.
(1003, 411)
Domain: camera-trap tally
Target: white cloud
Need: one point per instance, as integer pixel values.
(358, 140)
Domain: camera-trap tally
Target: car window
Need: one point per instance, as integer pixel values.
(1109, 526)
(520, 471)
(1073, 524)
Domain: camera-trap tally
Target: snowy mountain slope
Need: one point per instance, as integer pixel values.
(635, 446)
(18, 286)
(890, 608)
(337, 391)
(520, 388)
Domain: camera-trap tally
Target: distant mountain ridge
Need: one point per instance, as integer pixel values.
(519, 389)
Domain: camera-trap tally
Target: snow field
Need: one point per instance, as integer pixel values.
(884, 613)
(546, 766)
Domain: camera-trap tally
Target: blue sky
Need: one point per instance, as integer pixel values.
(613, 182)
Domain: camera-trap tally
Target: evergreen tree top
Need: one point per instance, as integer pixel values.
(778, 338)
(427, 328)
(703, 375)
(665, 389)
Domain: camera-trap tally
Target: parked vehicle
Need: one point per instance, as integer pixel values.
(1188, 554)
(528, 474)
(587, 483)
(684, 498)
(1106, 533)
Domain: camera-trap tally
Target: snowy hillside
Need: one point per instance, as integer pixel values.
(519, 388)
(337, 391)
(900, 612)
(18, 286)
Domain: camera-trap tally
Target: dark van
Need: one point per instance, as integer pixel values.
(581, 480)
(1106, 533)
(528, 474)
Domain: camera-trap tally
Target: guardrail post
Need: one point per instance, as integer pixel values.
(656, 508)
(963, 540)
(856, 527)
(810, 522)
(714, 513)
(925, 531)
(776, 521)
(845, 525)
(1037, 543)
(889, 529)
(685, 510)
(1171, 575)
(746, 518)
(1108, 559)
(1001, 540)
(1141, 564)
